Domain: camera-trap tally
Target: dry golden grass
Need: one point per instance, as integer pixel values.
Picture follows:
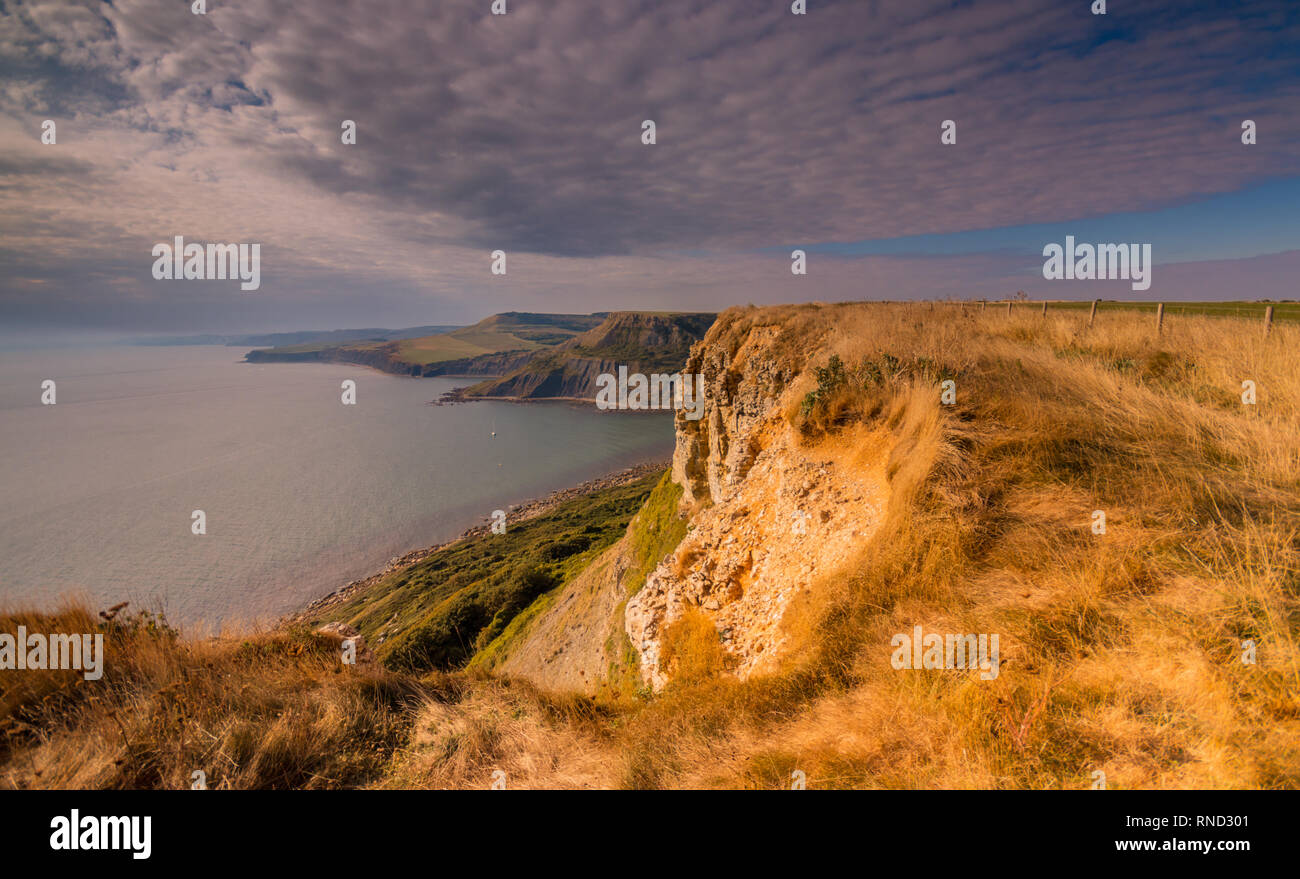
(691, 651)
(271, 710)
(1120, 652)
(505, 725)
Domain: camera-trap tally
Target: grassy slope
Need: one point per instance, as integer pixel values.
(277, 709)
(654, 533)
(435, 349)
(622, 339)
(443, 610)
(514, 331)
(270, 710)
(651, 536)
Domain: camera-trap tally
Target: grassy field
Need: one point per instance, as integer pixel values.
(450, 346)
(513, 331)
(1122, 651)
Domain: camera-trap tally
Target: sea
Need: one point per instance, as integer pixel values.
(299, 493)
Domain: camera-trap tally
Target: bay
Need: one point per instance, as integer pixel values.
(301, 493)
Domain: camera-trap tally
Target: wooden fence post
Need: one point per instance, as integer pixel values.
(1008, 308)
(1044, 308)
(1160, 317)
(1092, 315)
(1268, 321)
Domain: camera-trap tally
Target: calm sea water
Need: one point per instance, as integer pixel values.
(302, 493)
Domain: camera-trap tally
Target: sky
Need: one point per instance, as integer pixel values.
(523, 133)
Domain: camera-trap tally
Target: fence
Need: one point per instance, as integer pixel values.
(1263, 310)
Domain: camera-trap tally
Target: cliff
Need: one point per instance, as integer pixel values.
(644, 342)
(747, 493)
(772, 514)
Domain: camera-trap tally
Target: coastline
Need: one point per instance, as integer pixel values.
(370, 366)
(447, 398)
(457, 395)
(517, 513)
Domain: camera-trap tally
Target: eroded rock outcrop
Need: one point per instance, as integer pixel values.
(770, 516)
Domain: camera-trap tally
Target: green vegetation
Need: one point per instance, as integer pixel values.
(442, 611)
(830, 378)
(843, 395)
(654, 533)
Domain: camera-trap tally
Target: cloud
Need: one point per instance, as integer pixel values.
(522, 132)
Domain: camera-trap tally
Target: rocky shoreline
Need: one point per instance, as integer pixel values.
(515, 513)
(458, 395)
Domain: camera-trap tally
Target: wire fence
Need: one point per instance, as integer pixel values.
(1266, 313)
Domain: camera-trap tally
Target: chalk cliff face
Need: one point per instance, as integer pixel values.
(742, 393)
(769, 517)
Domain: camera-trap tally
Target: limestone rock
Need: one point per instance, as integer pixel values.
(343, 632)
(769, 520)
